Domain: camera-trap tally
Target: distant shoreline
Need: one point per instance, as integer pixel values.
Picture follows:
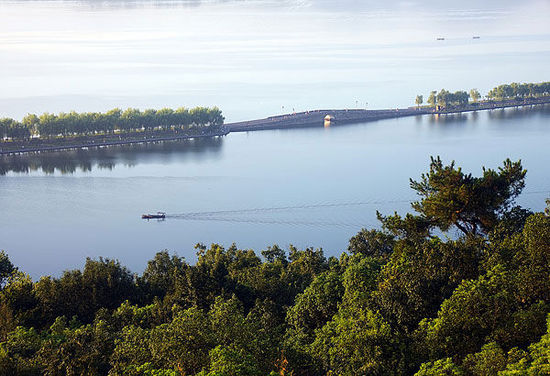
(286, 121)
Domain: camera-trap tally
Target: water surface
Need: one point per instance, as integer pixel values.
(258, 58)
(308, 187)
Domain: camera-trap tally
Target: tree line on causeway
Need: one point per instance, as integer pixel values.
(114, 121)
(407, 299)
(513, 91)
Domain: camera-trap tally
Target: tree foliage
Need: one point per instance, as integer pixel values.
(519, 90)
(450, 197)
(404, 301)
(506, 92)
(115, 120)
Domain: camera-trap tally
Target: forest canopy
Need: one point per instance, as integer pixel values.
(461, 286)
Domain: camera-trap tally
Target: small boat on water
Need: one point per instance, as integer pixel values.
(159, 215)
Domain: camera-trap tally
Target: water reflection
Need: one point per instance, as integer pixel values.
(448, 119)
(510, 113)
(519, 112)
(107, 158)
(131, 155)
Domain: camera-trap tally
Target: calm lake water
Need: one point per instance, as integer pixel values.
(309, 187)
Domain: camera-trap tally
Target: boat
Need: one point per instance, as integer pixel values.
(159, 215)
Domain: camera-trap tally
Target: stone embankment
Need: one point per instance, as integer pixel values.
(289, 121)
(38, 145)
(317, 117)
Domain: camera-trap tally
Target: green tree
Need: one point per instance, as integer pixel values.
(81, 351)
(161, 274)
(533, 271)
(483, 310)
(274, 253)
(372, 243)
(312, 310)
(443, 98)
(317, 304)
(419, 100)
(432, 98)
(460, 98)
(357, 341)
(488, 362)
(230, 361)
(183, 343)
(31, 121)
(6, 268)
(441, 367)
(536, 363)
(473, 205)
(17, 353)
(420, 276)
(474, 94)
(18, 298)
(132, 350)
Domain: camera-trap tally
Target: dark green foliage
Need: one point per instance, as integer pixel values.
(484, 310)
(418, 277)
(162, 274)
(534, 363)
(78, 351)
(231, 361)
(16, 353)
(18, 300)
(102, 284)
(12, 129)
(411, 228)
(488, 362)
(317, 304)
(445, 98)
(534, 270)
(450, 197)
(441, 367)
(357, 341)
(372, 243)
(6, 268)
(404, 302)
